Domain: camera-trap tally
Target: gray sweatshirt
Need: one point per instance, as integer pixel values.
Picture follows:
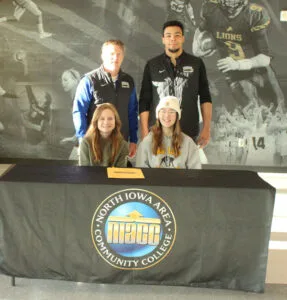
(188, 158)
(87, 157)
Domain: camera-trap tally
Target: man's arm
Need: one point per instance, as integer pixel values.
(144, 116)
(145, 101)
(205, 107)
(83, 96)
(206, 112)
(133, 123)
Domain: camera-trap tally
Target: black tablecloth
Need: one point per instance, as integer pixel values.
(221, 226)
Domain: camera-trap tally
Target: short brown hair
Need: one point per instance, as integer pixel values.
(114, 43)
(172, 23)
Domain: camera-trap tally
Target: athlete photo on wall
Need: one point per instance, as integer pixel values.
(182, 10)
(47, 46)
(236, 32)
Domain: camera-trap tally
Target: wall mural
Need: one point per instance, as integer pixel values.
(46, 46)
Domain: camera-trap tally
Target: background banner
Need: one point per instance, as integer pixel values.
(47, 46)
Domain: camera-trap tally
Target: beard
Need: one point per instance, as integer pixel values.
(173, 50)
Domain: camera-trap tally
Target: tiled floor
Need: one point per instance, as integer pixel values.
(33, 289)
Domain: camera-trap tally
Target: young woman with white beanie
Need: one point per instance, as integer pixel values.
(166, 146)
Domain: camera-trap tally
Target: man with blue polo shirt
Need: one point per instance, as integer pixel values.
(110, 84)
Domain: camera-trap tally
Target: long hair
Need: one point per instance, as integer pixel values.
(93, 134)
(157, 138)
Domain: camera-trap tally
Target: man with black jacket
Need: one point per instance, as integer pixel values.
(179, 74)
(110, 84)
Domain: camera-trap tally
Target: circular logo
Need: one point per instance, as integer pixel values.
(133, 229)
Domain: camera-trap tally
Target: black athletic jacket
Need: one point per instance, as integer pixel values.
(187, 81)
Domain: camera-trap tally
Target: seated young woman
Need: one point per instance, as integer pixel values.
(103, 145)
(166, 146)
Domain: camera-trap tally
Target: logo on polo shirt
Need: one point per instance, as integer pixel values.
(133, 229)
(125, 84)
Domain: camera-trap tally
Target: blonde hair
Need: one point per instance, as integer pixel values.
(93, 134)
(118, 43)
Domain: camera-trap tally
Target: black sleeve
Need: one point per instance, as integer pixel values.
(261, 43)
(259, 22)
(204, 93)
(145, 99)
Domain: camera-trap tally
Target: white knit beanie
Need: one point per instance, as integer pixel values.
(168, 102)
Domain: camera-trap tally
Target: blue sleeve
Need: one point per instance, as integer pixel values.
(133, 117)
(83, 96)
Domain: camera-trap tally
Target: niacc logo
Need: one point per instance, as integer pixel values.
(133, 229)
